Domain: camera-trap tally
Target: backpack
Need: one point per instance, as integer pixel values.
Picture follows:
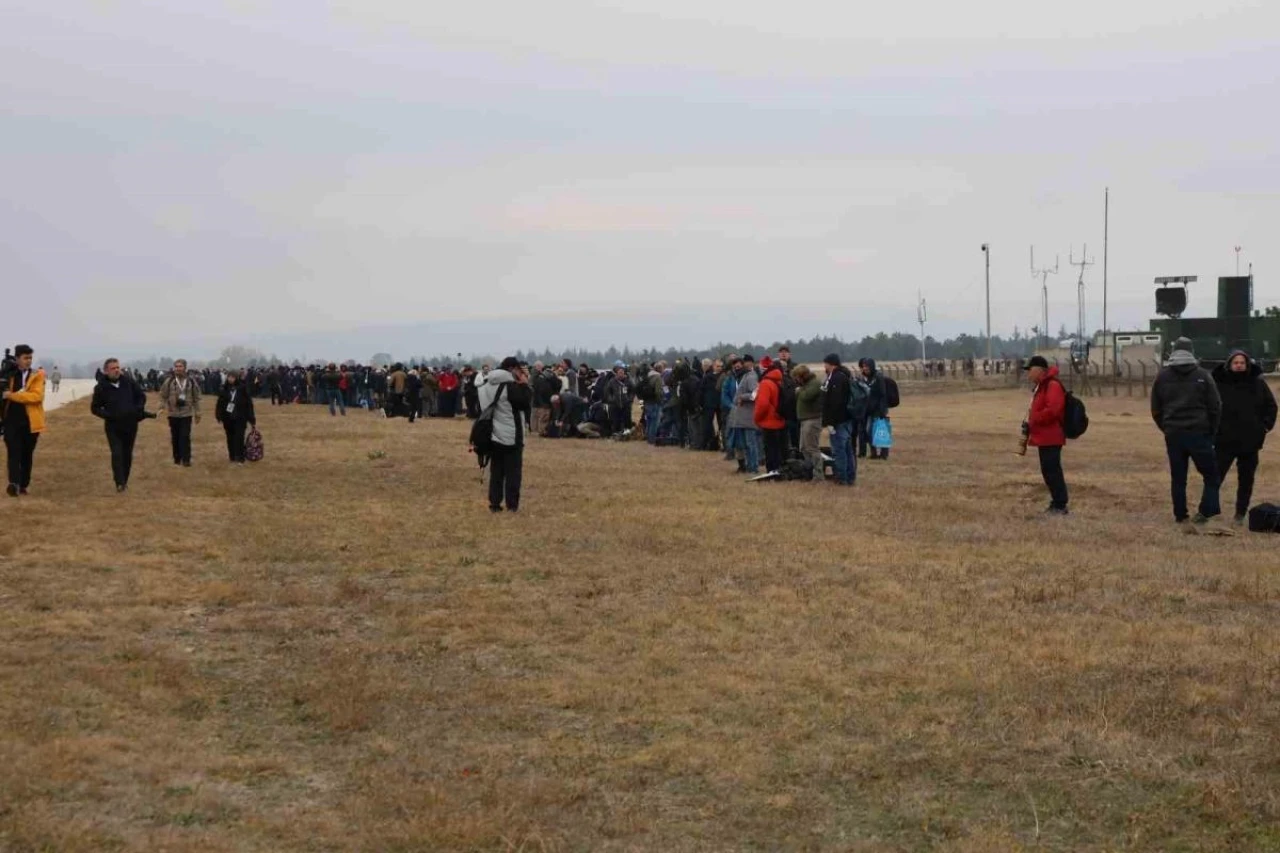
(787, 399)
(859, 397)
(1265, 518)
(795, 469)
(644, 391)
(1075, 420)
(482, 430)
(891, 397)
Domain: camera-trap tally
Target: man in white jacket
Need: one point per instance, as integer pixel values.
(509, 387)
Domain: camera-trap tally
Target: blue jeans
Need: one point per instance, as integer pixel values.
(652, 417)
(844, 463)
(748, 441)
(1195, 448)
(336, 402)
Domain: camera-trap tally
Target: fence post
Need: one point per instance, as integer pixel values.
(1128, 376)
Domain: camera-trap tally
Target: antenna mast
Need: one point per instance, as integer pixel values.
(1043, 274)
(1084, 262)
(921, 317)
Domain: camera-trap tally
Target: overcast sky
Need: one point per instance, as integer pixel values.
(219, 171)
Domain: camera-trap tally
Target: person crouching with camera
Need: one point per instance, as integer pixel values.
(22, 405)
(180, 399)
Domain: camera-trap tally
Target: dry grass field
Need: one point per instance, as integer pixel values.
(328, 651)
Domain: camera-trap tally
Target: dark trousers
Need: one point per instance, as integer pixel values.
(235, 439)
(1246, 467)
(709, 431)
(1184, 448)
(775, 442)
(121, 438)
(506, 470)
(793, 435)
(1051, 470)
(415, 407)
(864, 441)
(180, 438)
(20, 442)
(694, 433)
(277, 398)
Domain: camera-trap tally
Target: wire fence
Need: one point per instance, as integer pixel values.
(1126, 378)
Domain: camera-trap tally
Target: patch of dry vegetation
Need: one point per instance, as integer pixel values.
(331, 652)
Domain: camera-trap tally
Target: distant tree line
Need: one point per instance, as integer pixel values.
(898, 346)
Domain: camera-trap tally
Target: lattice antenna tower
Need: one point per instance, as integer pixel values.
(1043, 275)
(1084, 262)
(922, 316)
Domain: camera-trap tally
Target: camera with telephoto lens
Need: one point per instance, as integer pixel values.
(8, 366)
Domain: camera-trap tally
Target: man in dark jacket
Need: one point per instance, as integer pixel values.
(877, 407)
(121, 404)
(709, 399)
(1248, 414)
(836, 418)
(1187, 408)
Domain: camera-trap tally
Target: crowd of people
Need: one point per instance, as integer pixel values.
(769, 418)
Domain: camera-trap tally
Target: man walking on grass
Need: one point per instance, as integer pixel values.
(1044, 429)
(121, 404)
(1186, 406)
(22, 412)
(180, 399)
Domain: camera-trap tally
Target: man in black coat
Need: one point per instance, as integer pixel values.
(121, 404)
(1187, 408)
(1248, 414)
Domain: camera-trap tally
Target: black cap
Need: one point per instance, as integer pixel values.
(1036, 361)
(832, 359)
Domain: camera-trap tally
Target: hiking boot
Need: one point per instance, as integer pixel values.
(12, 490)
(742, 467)
(1057, 510)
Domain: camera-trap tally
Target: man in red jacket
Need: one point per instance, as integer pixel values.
(768, 419)
(1044, 429)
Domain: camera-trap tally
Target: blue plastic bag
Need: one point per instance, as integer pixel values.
(881, 433)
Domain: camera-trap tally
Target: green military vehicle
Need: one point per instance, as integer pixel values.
(1237, 326)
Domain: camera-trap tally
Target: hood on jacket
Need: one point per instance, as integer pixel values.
(1223, 372)
(499, 376)
(1051, 373)
(773, 374)
(1183, 361)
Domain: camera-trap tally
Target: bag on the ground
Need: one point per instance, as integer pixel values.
(859, 398)
(881, 433)
(891, 396)
(1075, 419)
(254, 449)
(482, 430)
(1265, 518)
(795, 469)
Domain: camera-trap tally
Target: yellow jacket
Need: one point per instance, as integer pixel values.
(31, 396)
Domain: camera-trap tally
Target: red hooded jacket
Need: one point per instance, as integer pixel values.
(1048, 407)
(766, 414)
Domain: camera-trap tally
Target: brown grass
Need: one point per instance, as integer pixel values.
(329, 652)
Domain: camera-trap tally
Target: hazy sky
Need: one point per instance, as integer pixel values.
(219, 171)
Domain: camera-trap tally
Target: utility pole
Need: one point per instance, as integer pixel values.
(1238, 261)
(921, 316)
(986, 251)
(1083, 263)
(1044, 291)
(1106, 237)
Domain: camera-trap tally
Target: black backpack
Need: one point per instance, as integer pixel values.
(1075, 420)
(795, 469)
(482, 430)
(859, 398)
(891, 397)
(1265, 518)
(644, 390)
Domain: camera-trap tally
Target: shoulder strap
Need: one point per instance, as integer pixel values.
(493, 407)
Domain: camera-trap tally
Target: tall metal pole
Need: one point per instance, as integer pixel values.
(986, 251)
(1106, 233)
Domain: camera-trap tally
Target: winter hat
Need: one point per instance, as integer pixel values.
(1037, 361)
(766, 362)
(833, 360)
(1183, 344)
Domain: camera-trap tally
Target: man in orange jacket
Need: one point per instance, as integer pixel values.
(23, 418)
(772, 425)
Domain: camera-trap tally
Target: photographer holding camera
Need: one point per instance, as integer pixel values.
(180, 398)
(22, 413)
